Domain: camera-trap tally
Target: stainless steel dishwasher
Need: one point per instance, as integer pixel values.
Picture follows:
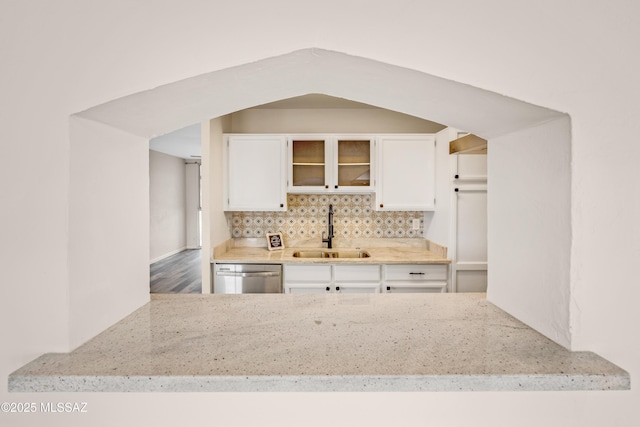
(247, 278)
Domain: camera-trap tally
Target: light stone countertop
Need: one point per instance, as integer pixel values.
(382, 251)
(326, 342)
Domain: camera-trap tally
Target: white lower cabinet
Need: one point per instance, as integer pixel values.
(369, 278)
(412, 278)
(307, 278)
(331, 278)
(364, 279)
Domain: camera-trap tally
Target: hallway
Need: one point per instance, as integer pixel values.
(178, 274)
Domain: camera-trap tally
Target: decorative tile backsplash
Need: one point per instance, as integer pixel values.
(307, 215)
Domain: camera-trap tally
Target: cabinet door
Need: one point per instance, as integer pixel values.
(310, 164)
(307, 279)
(256, 173)
(362, 279)
(406, 173)
(469, 223)
(311, 273)
(353, 157)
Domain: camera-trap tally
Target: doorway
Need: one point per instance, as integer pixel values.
(175, 205)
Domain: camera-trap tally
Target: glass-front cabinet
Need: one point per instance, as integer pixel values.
(309, 161)
(354, 163)
(322, 164)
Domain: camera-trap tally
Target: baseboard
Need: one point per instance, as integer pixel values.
(167, 255)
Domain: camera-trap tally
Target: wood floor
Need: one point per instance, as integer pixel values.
(178, 274)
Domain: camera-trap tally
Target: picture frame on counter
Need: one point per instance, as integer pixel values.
(275, 242)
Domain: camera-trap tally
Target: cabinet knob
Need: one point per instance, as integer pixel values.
(381, 205)
(282, 205)
(336, 186)
(326, 186)
(455, 189)
(457, 176)
(337, 288)
(388, 288)
(327, 289)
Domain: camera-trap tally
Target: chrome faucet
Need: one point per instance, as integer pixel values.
(330, 236)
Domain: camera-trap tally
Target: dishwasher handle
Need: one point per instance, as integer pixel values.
(249, 274)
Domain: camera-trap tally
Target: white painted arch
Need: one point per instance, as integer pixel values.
(176, 105)
(529, 242)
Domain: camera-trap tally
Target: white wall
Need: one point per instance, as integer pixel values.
(219, 227)
(215, 229)
(167, 205)
(96, 51)
(339, 120)
(108, 227)
(529, 213)
(192, 183)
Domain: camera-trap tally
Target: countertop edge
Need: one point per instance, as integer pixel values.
(369, 261)
(316, 383)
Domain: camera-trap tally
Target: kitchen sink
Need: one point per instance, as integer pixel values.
(331, 254)
(350, 254)
(312, 254)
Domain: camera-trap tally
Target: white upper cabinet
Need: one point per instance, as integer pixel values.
(309, 164)
(259, 169)
(353, 157)
(255, 172)
(331, 164)
(406, 173)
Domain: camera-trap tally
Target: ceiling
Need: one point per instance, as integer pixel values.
(185, 143)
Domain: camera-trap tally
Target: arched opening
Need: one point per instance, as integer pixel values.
(529, 204)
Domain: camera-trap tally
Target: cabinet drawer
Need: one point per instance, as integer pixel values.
(416, 272)
(357, 288)
(357, 273)
(306, 288)
(414, 287)
(307, 273)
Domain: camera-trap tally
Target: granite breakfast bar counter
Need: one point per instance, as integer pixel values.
(320, 342)
(327, 342)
